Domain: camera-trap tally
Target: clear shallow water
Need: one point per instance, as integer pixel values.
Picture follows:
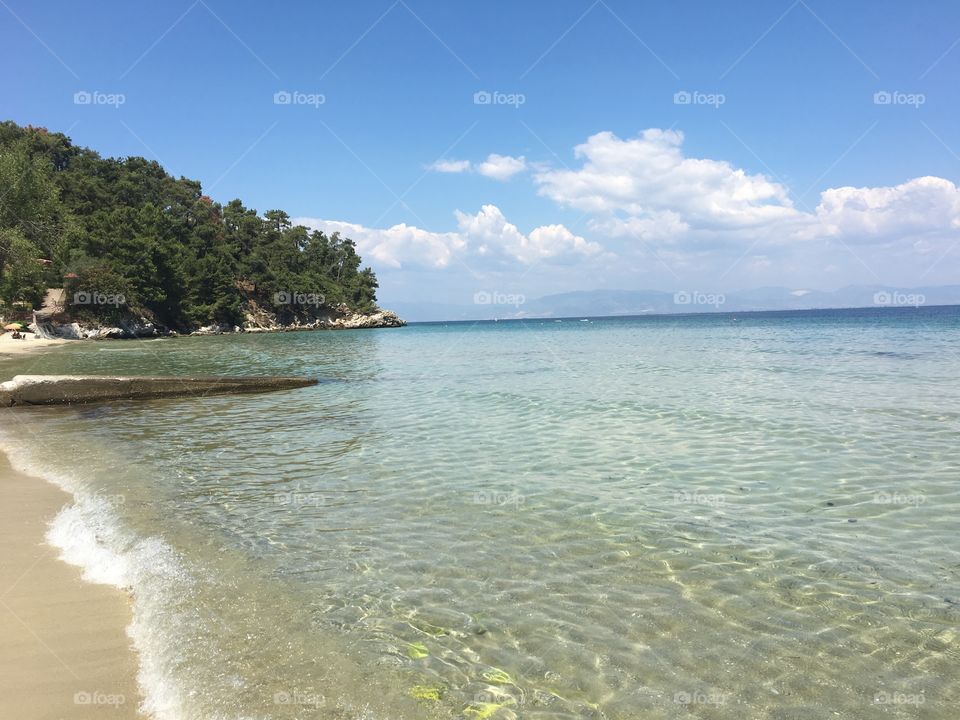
(629, 518)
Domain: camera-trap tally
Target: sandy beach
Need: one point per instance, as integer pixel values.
(64, 651)
(11, 346)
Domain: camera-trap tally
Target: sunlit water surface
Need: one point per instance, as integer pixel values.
(710, 517)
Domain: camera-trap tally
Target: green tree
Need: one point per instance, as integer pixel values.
(22, 281)
(124, 225)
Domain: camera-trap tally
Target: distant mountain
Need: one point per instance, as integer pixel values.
(595, 303)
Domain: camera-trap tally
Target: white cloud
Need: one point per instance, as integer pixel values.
(502, 167)
(489, 231)
(648, 178)
(487, 234)
(657, 226)
(645, 188)
(496, 167)
(656, 208)
(920, 206)
(450, 166)
(396, 245)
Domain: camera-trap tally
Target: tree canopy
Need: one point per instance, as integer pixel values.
(124, 227)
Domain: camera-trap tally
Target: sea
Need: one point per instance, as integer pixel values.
(718, 516)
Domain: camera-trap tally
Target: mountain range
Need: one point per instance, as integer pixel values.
(597, 303)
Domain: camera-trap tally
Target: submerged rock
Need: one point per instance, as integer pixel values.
(69, 389)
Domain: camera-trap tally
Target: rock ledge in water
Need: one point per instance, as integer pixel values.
(68, 389)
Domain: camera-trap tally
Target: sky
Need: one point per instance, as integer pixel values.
(532, 148)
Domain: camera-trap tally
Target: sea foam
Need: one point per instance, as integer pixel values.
(90, 535)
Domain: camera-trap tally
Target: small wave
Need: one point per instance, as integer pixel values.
(89, 534)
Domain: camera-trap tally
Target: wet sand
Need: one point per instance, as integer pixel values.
(64, 651)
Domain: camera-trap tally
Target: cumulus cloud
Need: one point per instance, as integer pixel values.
(450, 166)
(647, 179)
(502, 167)
(646, 188)
(487, 234)
(489, 231)
(920, 206)
(396, 245)
(496, 167)
(652, 205)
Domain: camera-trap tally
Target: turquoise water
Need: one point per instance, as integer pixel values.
(705, 516)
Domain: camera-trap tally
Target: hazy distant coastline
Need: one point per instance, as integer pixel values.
(491, 305)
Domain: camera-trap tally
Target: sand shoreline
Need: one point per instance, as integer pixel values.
(11, 347)
(65, 652)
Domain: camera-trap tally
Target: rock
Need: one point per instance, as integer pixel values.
(216, 330)
(69, 389)
(69, 331)
(257, 320)
(111, 333)
(380, 319)
(339, 317)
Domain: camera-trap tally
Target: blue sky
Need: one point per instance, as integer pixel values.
(785, 168)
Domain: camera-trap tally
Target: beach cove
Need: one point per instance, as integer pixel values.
(621, 518)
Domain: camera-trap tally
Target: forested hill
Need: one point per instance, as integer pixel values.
(109, 227)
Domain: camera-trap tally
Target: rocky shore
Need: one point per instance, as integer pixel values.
(54, 323)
